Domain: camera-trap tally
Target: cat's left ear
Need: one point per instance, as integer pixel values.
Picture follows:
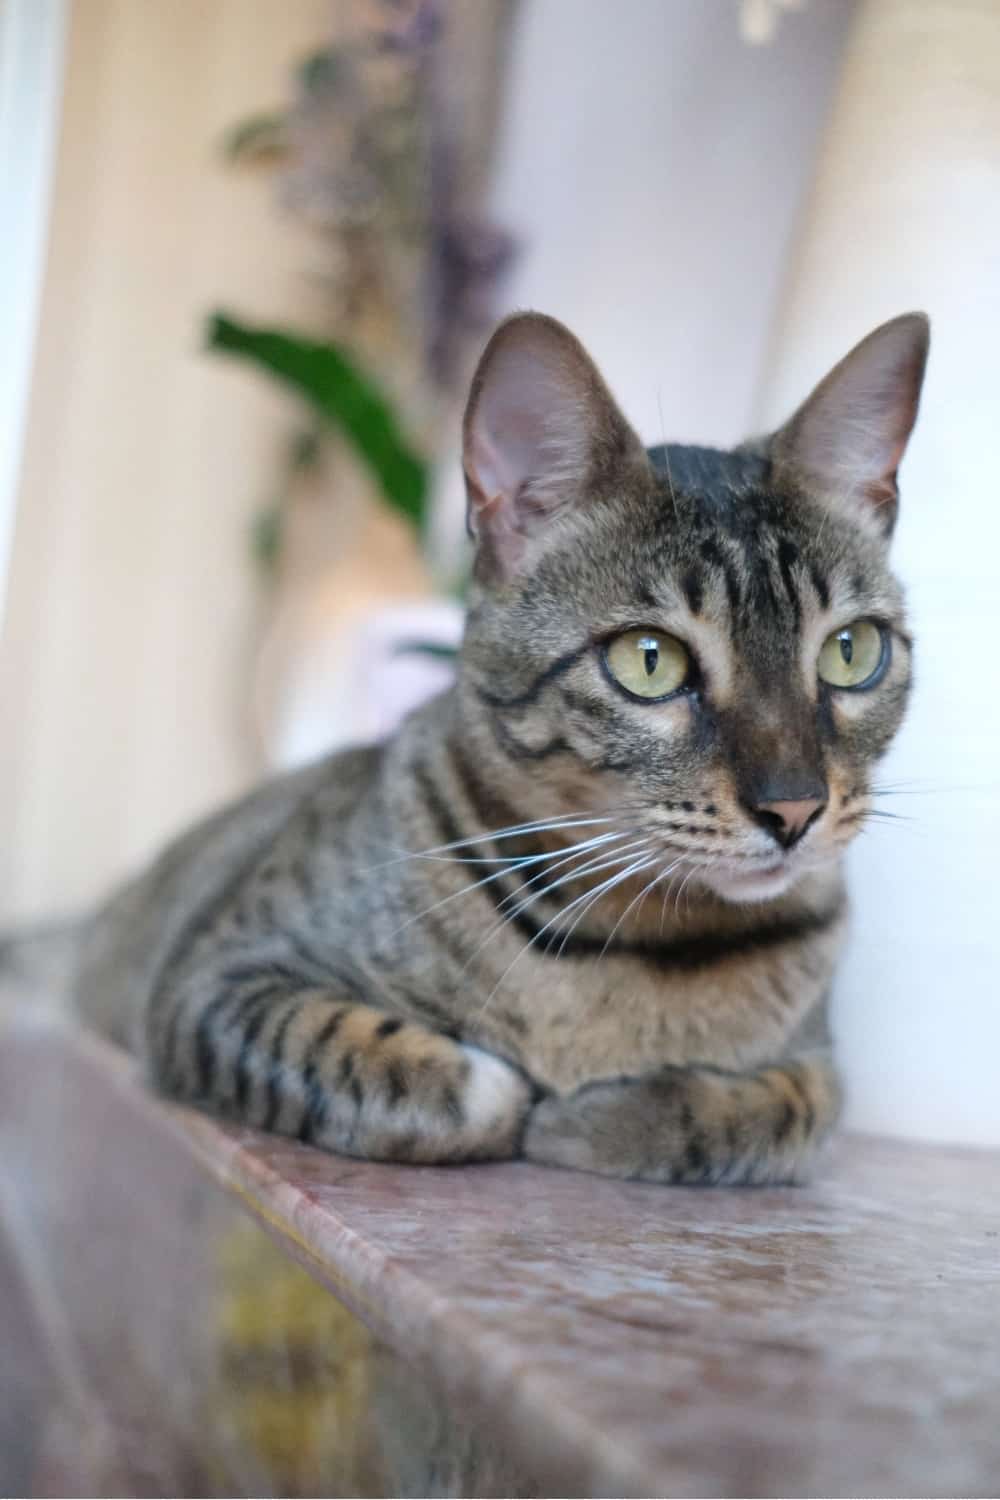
(541, 433)
(846, 442)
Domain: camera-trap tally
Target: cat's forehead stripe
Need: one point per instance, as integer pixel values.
(721, 532)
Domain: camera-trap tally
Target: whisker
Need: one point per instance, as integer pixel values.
(869, 819)
(593, 867)
(511, 860)
(515, 906)
(509, 868)
(705, 864)
(916, 787)
(680, 891)
(581, 915)
(925, 788)
(590, 869)
(494, 836)
(637, 901)
(606, 885)
(647, 888)
(591, 898)
(667, 890)
(671, 877)
(677, 882)
(666, 455)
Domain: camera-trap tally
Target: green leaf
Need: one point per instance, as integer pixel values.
(437, 649)
(320, 71)
(349, 401)
(259, 137)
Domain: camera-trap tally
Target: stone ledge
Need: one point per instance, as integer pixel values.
(612, 1338)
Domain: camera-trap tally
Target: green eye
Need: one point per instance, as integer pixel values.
(647, 663)
(852, 655)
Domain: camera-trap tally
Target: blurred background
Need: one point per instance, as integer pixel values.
(251, 249)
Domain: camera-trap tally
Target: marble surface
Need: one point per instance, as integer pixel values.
(611, 1338)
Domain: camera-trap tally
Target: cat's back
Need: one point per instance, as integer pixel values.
(126, 945)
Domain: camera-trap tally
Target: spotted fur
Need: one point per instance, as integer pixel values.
(546, 918)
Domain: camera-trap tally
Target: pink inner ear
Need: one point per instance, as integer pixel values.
(504, 457)
(506, 442)
(852, 442)
(488, 480)
(538, 423)
(527, 428)
(850, 436)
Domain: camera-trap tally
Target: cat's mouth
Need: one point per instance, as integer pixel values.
(761, 881)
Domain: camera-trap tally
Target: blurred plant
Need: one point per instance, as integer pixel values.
(383, 151)
(342, 397)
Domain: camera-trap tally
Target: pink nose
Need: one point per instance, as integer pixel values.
(788, 821)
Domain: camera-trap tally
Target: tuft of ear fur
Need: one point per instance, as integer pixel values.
(541, 432)
(845, 443)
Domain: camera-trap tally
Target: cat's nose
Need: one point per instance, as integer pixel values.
(789, 820)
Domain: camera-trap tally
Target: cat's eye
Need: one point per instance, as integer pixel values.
(647, 663)
(852, 656)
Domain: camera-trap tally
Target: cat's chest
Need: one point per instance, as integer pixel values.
(570, 1021)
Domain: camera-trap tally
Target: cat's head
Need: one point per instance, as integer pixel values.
(709, 647)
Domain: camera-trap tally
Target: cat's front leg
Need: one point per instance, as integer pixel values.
(689, 1125)
(352, 1078)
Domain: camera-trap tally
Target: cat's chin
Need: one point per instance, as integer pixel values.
(751, 886)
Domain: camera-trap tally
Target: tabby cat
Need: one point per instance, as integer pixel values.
(585, 907)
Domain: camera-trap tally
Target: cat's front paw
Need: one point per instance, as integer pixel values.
(692, 1124)
(610, 1128)
(494, 1100)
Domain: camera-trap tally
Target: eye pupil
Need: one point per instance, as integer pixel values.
(647, 663)
(854, 656)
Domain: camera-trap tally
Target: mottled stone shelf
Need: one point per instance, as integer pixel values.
(603, 1338)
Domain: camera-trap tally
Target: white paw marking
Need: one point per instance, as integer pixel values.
(493, 1089)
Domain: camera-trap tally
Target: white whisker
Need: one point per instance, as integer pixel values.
(593, 867)
(640, 898)
(695, 869)
(666, 455)
(586, 909)
(509, 868)
(605, 886)
(589, 869)
(591, 898)
(492, 836)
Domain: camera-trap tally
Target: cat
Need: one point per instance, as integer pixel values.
(585, 907)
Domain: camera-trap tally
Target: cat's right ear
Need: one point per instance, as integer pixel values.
(845, 443)
(541, 432)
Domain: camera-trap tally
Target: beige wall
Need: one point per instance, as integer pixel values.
(131, 607)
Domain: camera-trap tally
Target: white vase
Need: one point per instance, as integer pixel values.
(352, 681)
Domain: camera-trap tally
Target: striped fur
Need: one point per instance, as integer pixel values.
(513, 928)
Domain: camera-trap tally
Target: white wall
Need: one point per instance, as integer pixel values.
(906, 213)
(661, 222)
(654, 166)
(32, 36)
